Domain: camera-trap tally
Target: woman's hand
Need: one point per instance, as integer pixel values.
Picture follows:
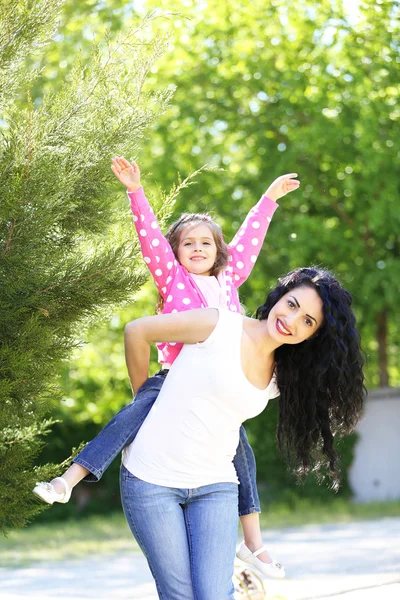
(127, 173)
(188, 327)
(282, 186)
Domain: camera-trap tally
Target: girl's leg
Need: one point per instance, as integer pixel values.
(252, 535)
(249, 502)
(97, 455)
(245, 465)
(156, 519)
(212, 520)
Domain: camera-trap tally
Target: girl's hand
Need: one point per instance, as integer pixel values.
(282, 186)
(127, 173)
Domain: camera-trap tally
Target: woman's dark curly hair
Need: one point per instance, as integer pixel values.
(321, 379)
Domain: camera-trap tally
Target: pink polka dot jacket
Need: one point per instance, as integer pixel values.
(175, 283)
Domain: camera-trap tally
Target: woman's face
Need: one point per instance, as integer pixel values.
(296, 316)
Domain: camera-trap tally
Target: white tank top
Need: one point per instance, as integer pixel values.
(191, 434)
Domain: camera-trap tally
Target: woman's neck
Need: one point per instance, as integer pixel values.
(262, 338)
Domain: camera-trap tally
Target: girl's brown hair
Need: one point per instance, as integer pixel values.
(191, 220)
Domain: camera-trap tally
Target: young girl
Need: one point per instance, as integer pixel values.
(192, 268)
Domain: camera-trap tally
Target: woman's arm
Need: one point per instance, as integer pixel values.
(188, 327)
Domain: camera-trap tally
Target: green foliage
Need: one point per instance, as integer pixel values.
(259, 93)
(313, 91)
(26, 27)
(66, 253)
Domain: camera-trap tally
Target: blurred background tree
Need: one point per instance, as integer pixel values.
(312, 89)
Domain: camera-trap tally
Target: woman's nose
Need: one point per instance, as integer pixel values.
(290, 320)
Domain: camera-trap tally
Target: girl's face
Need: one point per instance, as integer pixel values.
(296, 316)
(197, 250)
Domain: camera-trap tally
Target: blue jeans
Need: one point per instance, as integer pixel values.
(187, 535)
(122, 429)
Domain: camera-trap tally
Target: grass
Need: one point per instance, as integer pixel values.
(104, 535)
(304, 511)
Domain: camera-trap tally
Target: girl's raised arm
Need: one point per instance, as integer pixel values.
(188, 327)
(156, 250)
(247, 243)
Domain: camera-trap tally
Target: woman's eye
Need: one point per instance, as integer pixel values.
(290, 303)
(308, 322)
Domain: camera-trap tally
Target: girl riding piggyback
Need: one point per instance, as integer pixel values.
(192, 267)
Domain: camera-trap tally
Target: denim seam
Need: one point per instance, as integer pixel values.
(249, 511)
(88, 466)
(248, 478)
(189, 534)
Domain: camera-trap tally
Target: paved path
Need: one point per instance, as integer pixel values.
(356, 561)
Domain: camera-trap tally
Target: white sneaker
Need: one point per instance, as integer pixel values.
(272, 569)
(46, 492)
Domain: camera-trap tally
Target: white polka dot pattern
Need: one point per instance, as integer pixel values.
(170, 276)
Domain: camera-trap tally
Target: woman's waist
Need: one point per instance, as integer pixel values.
(187, 473)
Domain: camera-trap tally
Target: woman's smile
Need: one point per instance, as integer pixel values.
(281, 328)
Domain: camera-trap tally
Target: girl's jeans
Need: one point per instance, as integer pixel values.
(187, 535)
(122, 429)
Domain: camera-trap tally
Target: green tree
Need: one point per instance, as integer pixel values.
(259, 93)
(313, 90)
(66, 252)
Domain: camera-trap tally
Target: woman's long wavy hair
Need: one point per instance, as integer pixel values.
(190, 220)
(320, 380)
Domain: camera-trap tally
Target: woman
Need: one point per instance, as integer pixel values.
(178, 483)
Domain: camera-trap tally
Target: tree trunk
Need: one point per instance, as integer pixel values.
(382, 338)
